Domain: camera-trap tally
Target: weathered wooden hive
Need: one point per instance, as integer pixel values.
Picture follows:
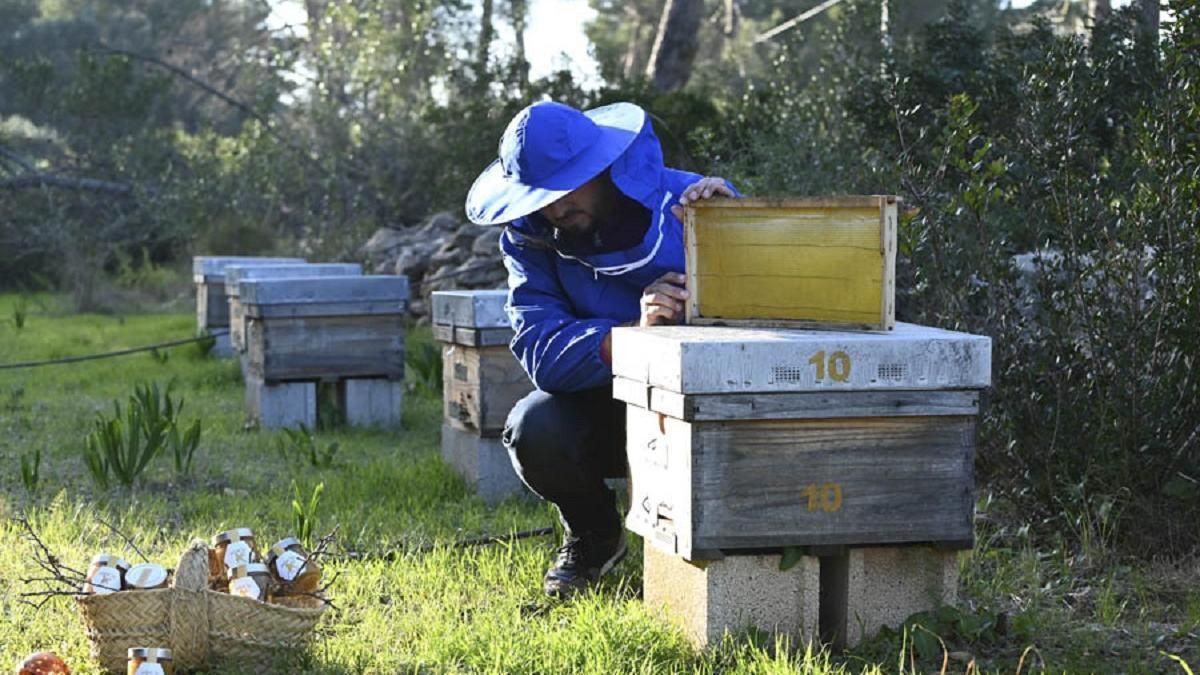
(761, 438)
(236, 274)
(346, 329)
(212, 308)
(481, 381)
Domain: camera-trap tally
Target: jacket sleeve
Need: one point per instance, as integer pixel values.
(559, 351)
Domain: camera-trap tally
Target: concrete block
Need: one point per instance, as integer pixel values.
(483, 462)
(371, 402)
(282, 404)
(884, 585)
(732, 594)
(222, 347)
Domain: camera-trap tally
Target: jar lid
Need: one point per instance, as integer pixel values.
(233, 535)
(146, 575)
(284, 544)
(110, 560)
(150, 653)
(248, 569)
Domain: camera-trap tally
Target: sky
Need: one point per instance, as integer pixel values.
(557, 25)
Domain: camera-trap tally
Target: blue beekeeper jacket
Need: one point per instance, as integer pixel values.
(561, 307)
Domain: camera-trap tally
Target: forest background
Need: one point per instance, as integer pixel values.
(1047, 157)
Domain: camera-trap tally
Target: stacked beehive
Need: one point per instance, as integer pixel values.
(348, 330)
(850, 450)
(481, 381)
(212, 309)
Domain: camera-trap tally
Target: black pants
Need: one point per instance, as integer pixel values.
(563, 446)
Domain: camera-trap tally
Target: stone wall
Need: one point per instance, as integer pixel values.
(441, 253)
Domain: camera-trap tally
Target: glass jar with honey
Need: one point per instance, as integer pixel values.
(290, 564)
(250, 581)
(236, 547)
(150, 661)
(106, 574)
(146, 577)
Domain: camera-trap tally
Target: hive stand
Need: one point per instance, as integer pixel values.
(481, 381)
(212, 310)
(346, 330)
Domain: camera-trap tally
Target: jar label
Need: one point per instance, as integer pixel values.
(289, 564)
(238, 553)
(149, 668)
(106, 580)
(245, 587)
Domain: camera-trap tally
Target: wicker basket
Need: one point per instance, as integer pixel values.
(196, 623)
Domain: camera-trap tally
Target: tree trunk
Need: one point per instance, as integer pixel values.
(675, 46)
(1148, 11)
(520, 12)
(486, 33)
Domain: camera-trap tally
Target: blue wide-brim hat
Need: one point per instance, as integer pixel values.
(548, 150)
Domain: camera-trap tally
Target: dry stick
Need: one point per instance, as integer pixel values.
(126, 538)
(49, 563)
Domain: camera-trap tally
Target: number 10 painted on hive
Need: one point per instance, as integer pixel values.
(837, 365)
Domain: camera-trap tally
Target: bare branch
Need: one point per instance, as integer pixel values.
(17, 159)
(795, 21)
(126, 538)
(66, 182)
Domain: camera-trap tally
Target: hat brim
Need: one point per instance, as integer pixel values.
(495, 198)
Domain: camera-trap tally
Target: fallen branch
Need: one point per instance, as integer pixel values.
(65, 182)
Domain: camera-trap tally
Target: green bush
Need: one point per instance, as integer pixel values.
(121, 446)
(1050, 194)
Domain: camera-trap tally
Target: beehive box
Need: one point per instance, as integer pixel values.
(328, 328)
(237, 273)
(208, 273)
(742, 439)
(481, 378)
(796, 263)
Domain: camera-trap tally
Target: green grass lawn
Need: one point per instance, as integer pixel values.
(434, 607)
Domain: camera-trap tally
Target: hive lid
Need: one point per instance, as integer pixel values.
(235, 274)
(715, 360)
(382, 291)
(212, 268)
(471, 309)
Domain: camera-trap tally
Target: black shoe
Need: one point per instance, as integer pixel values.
(582, 561)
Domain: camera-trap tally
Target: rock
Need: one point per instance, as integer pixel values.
(383, 242)
(480, 272)
(487, 242)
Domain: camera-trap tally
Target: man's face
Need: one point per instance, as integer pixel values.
(581, 210)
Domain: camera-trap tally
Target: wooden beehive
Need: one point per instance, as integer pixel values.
(743, 439)
(237, 273)
(481, 378)
(208, 273)
(325, 328)
(799, 263)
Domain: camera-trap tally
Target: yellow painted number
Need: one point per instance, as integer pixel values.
(827, 497)
(837, 365)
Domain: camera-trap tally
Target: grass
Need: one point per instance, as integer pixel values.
(435, 607)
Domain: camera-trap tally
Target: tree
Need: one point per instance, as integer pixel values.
(675, 45)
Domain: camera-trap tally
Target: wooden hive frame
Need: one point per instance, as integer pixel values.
(836, 268)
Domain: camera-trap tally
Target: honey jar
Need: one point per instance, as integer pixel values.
(250, 581)
(290, 564)
(150, 661)
(105, 575)
(146, 577)
(236, 547)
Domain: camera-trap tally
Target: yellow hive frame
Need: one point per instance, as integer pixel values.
(821, 262)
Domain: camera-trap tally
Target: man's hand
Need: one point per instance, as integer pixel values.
(662, 301)
(701, 189)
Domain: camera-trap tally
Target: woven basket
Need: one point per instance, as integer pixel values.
(196, 623)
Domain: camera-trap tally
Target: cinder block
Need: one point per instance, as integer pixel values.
(887, 584)
(371, 402)
(282, 404)
(483, 462)
(222, 347)
(732, 594)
